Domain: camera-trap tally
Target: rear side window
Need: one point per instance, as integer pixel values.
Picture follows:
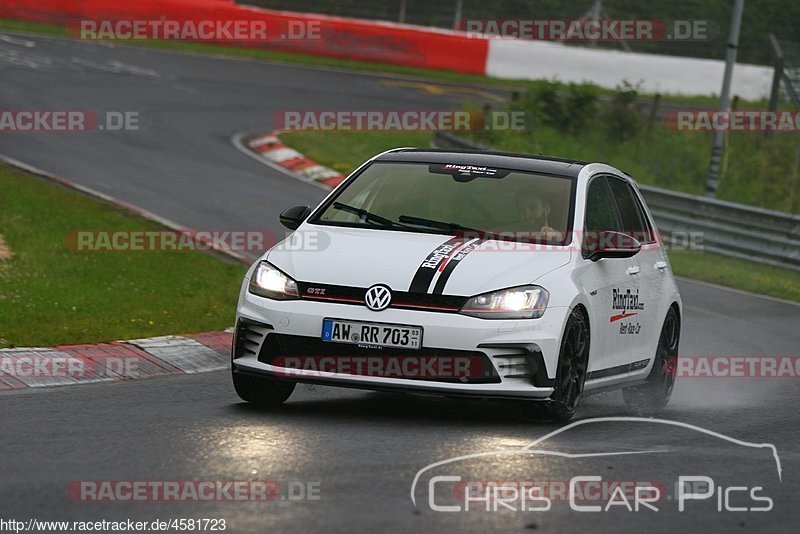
(600, 215)
(631, 214)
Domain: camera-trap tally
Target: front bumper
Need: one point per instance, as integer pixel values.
(518, 357)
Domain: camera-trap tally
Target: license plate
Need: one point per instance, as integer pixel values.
(374, 334)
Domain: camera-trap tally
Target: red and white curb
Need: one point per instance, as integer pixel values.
(159, 356)
(269, 148)
(109, 362)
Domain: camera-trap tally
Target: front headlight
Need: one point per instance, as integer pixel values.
(271, 282)
(524, 302)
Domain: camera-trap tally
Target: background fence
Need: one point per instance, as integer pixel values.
(760, 18)
(755, 234)
(786, 80)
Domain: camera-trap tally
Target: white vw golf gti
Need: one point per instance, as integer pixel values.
(466, 274)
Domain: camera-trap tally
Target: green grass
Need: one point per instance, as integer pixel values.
(33, 27)
(346, 150)
(757, 170)
(707, 101)
(741, 274)
(51, 295)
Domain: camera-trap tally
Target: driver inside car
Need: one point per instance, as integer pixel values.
(535, 215)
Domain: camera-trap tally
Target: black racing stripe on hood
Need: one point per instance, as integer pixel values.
(427, 269)
(452, 264)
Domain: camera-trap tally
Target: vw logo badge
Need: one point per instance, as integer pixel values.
(378, 297)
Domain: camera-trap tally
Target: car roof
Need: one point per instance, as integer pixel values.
(501, 160)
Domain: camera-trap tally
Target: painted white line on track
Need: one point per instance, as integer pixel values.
(20, 42)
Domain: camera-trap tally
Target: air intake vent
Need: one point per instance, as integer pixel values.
(520, 361)
(513, 365)
(249, 337)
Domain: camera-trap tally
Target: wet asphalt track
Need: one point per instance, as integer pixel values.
(363, 449)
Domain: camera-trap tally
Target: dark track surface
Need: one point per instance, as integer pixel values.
(363, 448)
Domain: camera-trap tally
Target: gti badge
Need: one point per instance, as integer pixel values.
(378, 297)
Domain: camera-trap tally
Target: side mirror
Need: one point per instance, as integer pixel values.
(294, 217)
(611, 245)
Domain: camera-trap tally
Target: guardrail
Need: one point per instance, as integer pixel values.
(755, 234)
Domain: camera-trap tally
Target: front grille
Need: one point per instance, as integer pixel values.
(426, 364)
(400, 299)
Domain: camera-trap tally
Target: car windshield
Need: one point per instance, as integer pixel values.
(453, 199)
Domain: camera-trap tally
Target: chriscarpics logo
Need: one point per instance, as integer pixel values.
(608, 465)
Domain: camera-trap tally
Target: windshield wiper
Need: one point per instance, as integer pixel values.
(450, 226)
(367, 215)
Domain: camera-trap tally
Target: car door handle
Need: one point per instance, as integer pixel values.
(661, 265)
(633, 270)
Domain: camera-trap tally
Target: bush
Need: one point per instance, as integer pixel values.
(572, 122)
(622, 120)
(568, 111)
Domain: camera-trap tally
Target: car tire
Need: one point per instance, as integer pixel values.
(262, 390)
(573, 358)
(654, 395)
